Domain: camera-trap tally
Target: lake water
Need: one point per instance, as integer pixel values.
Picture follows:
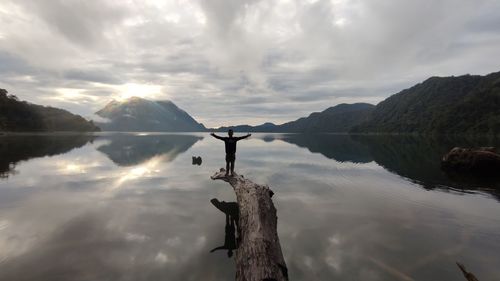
(134, 207)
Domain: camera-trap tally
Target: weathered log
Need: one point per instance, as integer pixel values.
(259, 256)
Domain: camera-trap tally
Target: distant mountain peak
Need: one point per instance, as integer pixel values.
(140, 114)
(268, 124)
(348, 107)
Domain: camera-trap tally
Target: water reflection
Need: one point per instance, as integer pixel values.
(130, 150)
(231, 241)
(337, 220)
(16, 148)
(340, 148)
(419, 159)
(415, 158)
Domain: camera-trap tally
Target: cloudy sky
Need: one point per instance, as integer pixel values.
(239, 61)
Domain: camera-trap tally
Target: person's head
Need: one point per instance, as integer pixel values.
(230, 132)
(229, 253)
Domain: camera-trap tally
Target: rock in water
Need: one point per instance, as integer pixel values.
(197, 160)
(483, 160)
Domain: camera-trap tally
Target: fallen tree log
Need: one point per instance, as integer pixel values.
(259, 256)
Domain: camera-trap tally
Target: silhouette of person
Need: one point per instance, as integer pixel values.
(231, 210)
(230, 145)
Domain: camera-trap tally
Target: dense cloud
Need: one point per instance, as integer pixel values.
(231, 62)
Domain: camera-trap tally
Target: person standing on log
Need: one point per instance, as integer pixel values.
(230, 144)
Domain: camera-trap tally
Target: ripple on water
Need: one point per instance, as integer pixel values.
(3, 225)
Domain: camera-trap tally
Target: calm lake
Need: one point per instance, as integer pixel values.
(134, 207)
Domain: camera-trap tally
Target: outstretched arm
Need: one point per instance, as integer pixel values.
(244, 137)
(216, 136)
(219, 248)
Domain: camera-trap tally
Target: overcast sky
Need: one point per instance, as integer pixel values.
(231, 62)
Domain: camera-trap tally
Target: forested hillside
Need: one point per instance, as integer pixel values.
(16, 116)
(440, 105)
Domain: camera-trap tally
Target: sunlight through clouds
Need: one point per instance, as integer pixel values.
(129, 90)
(261, 60)
(70, 95)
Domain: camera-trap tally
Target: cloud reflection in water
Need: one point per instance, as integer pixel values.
(141, 212)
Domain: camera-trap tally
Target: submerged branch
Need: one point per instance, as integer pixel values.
(468, 275)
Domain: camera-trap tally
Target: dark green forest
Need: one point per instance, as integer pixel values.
(468, 104)
(21, 116)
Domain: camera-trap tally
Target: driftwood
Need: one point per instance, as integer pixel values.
(259, 256)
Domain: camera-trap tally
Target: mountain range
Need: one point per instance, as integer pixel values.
(337, 119)
(468, 104)
(461, 105)
(138, 114)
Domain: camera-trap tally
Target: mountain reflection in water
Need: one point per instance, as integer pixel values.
(415, 158)
(130, 150)
(16, 148)
(340, 148)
